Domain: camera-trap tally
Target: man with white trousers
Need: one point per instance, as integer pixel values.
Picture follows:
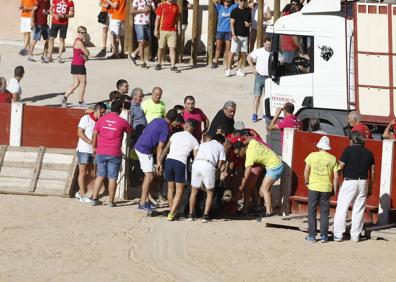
(357, 163)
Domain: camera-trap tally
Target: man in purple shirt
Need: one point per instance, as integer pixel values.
(154, 136)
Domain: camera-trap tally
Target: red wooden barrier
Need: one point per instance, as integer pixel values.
(50, 127)
(304, 144)
(5, 117)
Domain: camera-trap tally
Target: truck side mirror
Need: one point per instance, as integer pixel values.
(273, 66)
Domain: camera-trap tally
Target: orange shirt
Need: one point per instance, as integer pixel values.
(27, 4)
(119, 12)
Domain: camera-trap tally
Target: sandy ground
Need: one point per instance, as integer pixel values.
(56, 239)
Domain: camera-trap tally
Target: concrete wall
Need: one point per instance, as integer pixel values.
(86, 15)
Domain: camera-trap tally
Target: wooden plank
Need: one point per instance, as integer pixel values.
(50, 184)
(260, 29)
(26, 157)
(72, 178)
(61, 151)
(3, 150)
(180, 45)
(20, 172)
(54, 174)
(194, 38)
(211, 30)
(128, 39)
(21, 149)
(16, 124)
(276, 10)
(57, 158)
(37, 168)
(60, 167)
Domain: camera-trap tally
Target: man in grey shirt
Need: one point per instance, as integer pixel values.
(137, 118)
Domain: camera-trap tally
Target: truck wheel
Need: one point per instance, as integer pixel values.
(331, 121)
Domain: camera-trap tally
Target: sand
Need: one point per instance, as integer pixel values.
(57, 239)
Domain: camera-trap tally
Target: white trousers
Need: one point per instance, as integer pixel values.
(351, 190)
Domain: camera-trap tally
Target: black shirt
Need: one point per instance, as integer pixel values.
(358, 160)
(241, 16)
(221, 120)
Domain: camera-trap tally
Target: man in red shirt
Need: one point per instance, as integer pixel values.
(106, 144)
(61, 11)
(191, 112)
(354, 119)
(5, 96)
(40, 27)
(165, 30)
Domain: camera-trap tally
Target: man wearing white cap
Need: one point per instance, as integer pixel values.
(320, 175)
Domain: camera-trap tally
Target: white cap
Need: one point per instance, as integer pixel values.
(324, 143)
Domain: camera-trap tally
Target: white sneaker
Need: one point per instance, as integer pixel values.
(228, 73)
(240, 73)
(78, 195)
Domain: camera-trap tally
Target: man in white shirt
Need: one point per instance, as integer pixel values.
(84, 147)
(180, 146)
(14, 84)
(261, 56)
(210, 157)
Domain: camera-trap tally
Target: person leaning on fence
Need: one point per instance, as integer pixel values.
(84, 147)
(5, 96)
(358, 165)
(210, 157)
(14, 84)
(106, 144)
(259, 154)
(390, 127)
(354, 121)
(180, 146)
(321, 176)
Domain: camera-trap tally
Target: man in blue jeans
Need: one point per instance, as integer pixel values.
(106, 144)
(260, 55)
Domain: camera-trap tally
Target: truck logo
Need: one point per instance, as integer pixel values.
(326, 52)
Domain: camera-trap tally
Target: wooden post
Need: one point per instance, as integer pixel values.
(276, 10)
(129, 38)
(260, 21)
(211, 30)
(180, 46)
(194, 39)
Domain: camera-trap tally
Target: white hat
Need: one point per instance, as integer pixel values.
(324, 143)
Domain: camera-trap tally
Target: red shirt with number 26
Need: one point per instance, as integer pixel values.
(61, 7)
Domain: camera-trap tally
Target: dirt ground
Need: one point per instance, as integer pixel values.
(57, 239)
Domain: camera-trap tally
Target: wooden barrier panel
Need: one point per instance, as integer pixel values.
(304, 144)
(50, 127)
(5, 118)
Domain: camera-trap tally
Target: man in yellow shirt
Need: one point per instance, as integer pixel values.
(259, 154)
(154, 107)
(320, 175)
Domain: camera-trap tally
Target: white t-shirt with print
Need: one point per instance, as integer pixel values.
(88, 124)
(261, 56)
(182, 143)
(14, 87)
(143, 18)
(211, 151)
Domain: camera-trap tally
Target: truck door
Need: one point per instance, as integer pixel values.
(291, 73)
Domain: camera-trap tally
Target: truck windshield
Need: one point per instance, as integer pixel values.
(295, 54)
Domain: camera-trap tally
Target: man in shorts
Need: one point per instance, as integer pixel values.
(141, 11)
(261, 56)
(117, 27)
(180, 146)
(241, 20)
(26, 8)
(210, 157)
(154, 137)
(84, 149)
(165, 30)
(61, 11)
(106, 144)
(105, 7)
(40, 26)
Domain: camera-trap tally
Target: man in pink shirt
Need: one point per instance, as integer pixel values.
(191, 112)
(289, 121)
(106, 143)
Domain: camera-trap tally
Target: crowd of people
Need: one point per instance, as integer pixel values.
(229, 171)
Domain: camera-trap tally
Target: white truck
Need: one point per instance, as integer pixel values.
(333, 57)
